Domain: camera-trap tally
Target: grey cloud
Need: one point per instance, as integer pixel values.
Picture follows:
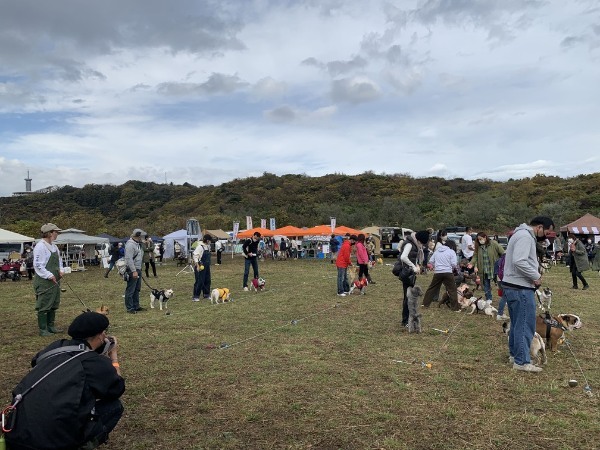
(336, 68)
(572, 41)
(313, 62)
(354, 90)
(281, 114)
(217, 83)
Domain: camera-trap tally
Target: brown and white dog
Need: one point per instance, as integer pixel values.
(221, 295)
(161, 296)
(258, 284)
(552, 328)
(463, 293)
(356, 284)
(537, 349)
(103, 310)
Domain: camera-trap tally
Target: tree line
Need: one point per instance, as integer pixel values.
(355, 200)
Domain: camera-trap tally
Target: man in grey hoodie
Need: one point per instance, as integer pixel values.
(133, 276)
(521, 279)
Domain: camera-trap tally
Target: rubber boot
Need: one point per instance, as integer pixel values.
(50, 319)
(43, 323)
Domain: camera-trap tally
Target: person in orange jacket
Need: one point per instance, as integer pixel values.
(342, 263)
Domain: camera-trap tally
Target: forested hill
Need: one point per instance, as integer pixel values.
(300, 200)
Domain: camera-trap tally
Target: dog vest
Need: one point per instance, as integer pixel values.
(223, 293)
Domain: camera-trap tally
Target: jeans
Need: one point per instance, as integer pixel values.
(522, 309)
(132, 291)
(487, 286)
(342, 280)
(247, 263)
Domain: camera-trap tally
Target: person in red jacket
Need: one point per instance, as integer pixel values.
(342, 262)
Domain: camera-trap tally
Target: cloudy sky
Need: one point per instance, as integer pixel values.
(207, 91)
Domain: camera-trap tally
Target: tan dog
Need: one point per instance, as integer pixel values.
(552, 329)
(103, 310)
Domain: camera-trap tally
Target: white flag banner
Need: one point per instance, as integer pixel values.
(236, 229)
(332, 224)
(272, 223)
(263, 223)
(249, 222)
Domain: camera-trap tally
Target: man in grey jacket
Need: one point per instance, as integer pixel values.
(133, 276)
(521, 279)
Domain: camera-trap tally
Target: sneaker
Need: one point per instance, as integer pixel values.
(574, 287)
(195, 299)
(587, 286)
(343, 294)
(245, 288)
(527, 367)
(501, 317)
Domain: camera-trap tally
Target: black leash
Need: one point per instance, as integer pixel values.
(78, 298)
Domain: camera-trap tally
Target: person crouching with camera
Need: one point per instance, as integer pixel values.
(70, 398)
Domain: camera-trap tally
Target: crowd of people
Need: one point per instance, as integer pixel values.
(99, 406)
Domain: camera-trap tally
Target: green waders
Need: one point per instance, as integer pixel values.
(47, 296)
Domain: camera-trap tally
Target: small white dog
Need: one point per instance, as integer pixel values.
(161, 296)
(220, 295)
(544, 297)
(479, 304)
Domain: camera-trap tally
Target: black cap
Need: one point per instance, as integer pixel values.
(87, 325)
(422, 236)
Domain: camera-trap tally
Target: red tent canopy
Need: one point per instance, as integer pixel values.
(344, 230)
(319, 230)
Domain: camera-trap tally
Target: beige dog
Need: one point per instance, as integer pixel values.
(103, 310)
(220, 296)
(537, 350)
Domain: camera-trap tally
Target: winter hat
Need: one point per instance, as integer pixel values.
(87, 325)
(422, 236)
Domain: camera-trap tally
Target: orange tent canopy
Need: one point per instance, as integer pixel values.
(251, 231)
(343, 230)
(288, 230)
(319, 230)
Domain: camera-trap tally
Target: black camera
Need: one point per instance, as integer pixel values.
(109, 344)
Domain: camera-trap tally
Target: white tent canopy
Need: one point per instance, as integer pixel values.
(10, 237)
(169, 242)
(73, 237)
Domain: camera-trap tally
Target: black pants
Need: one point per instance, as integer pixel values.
(150, 263)
(219, 253)
(107, 414)
(363, 271)
(405, 312)
(576, 274)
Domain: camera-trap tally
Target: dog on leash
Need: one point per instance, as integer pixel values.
(553, 327)
(479, 304)
(356, 284)
(463, 293)
(161, 296)
(103, 310)
(544, 297)
(221, 295)
(258, 284)
(414, 318)
(537, 349)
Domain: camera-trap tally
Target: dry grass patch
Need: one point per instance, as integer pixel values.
(327, 380)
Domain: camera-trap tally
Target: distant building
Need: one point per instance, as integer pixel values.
(28, 190)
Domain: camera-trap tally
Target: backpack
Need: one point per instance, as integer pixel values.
(499, 267)
(58, 379)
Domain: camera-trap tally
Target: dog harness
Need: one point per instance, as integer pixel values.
(159, 295)
(551, 322)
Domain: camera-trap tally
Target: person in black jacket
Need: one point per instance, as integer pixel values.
(250, 249)
(115, 254)
(77, 404)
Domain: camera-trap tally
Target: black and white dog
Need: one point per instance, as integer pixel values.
(161, 296)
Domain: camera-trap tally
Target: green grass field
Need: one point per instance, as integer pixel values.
(307, 369)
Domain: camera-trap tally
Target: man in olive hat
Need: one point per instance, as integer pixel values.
(48, 267)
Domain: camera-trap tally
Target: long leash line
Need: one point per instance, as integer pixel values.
(587, 388)
(290, 323)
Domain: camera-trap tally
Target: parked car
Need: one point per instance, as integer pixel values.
(391, 240)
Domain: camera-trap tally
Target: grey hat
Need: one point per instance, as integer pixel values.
(138, 232)
(47, 227)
